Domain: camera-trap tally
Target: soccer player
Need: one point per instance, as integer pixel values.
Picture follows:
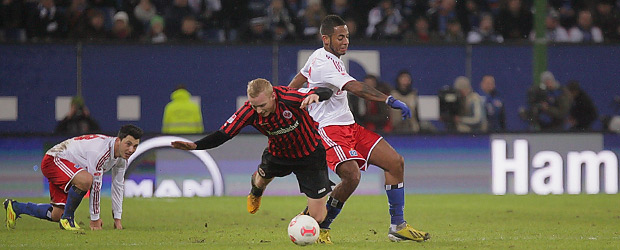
(350, 147)
(294, 144)
(64, 166)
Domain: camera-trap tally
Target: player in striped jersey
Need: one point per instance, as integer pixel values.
(63, 166)
(349, 146)
(294, 143)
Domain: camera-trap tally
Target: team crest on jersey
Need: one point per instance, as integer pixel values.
(352, 152)
(232, 118)
(287, 114)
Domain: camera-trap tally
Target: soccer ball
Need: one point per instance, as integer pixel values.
(303, 230)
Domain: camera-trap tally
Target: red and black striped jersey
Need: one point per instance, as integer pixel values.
(291, 131)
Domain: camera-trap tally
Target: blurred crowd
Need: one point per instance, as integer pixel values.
(266, 21)
(467, 108)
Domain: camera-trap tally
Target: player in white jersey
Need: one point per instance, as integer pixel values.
(350, 147)
(64, 166)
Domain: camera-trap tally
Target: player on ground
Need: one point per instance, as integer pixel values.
(294, 143)
(350, 147)
(63, 166)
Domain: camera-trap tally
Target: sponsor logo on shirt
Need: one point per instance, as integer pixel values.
(284, 130)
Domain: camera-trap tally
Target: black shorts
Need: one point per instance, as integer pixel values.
(311, 171)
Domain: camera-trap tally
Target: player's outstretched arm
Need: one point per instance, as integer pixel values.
(298, 81)
(364, 91)
(369, 93)
(183, 145)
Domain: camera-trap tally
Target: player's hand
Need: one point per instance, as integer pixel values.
(397, 104)
(183, 145)
(96, 224)
(309, 100)
(117, 224)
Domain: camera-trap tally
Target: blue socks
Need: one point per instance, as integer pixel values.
(396, 200)
(74, 197)
(333, 209)
(41, 211)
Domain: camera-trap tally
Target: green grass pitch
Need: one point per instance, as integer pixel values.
(460, 221)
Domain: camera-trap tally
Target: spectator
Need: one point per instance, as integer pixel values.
(76, 17)
(144, 12)
(341, 8)
(385, 22)
(181, 114)
(278, 15)
(607, 18)
(582, 111)
(372, 115)
(493, 104)
(407, 94)
(46, 22)
(421, 32)
(514, 21)
(156, 32)
(554, 31)
(189, 30)
(174, 16)
(95, 27)
(354, 30)
(471, 116)
(12, 20)
(121, 30)
(548, 105)
(485, 33)
(281, 33)
(78, 121)
(257, 31)
(470, 13)
(585, 31)
(454, 33)
(311, 19)
(234, 17)
(439, 19)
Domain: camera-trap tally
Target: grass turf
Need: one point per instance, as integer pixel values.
(463, 221)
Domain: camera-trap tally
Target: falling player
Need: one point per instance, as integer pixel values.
(294, 143)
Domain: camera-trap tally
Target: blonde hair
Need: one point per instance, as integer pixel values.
(259, 85)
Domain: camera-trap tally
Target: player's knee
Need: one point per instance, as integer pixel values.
(349, 173)
(83, 181)
(399, 163)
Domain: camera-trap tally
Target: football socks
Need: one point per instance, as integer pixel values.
(396, 200)
(74, 197)
(333, 209)
(41, 211)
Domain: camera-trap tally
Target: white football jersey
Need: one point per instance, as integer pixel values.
(95, 154)
(324, 69)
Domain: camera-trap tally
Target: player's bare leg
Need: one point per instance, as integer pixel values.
(317, 209)
(258, 186)
(392, 163)
(350, 175)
